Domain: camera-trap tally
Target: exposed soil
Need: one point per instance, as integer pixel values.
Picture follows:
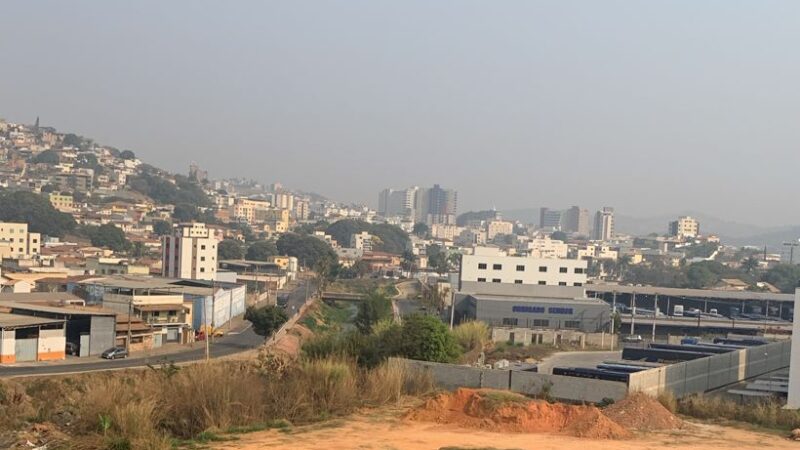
(386, 429)
(501, 411)
(642, 413)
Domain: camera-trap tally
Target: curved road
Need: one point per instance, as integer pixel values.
(241, 339)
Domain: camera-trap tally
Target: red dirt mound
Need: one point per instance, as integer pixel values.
(643, 413)
(502, 411)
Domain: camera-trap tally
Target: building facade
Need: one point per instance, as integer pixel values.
(684, 227)
(495, 267)
(190, 252)
(17, 242)
(576, 220)
(604, 224)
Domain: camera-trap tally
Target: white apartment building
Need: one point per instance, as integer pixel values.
(495, 227)
(446, 232)
(488, 265)
(361, 241)
(684, 227)
(190, 252)
(597, 251)
(547, 248)
(604, 224)
(17, 242)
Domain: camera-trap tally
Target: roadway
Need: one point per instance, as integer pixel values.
(240, 339)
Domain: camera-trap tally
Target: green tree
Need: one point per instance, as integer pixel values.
(261, 250)
(47, 157)
(700, 276)
(266, 320)
(408, 262)
(109, 236)
(36, 211)
(785, 277)
(162, 227)
(750, 264)
(309, 250)
(374, 308)
(421, 229)
(127, 154)
(426, 338)
(185, 212)
(230, 249)
(72, 140)
(438, 259)
(559, 236)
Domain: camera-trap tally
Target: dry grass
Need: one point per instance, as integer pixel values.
(668, 400)
(473, 335)
(767, 414)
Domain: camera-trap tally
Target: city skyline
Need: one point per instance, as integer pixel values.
(504, 105)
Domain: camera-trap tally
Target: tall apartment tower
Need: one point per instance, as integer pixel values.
(604, 224)
(576, 220)
(189, 252)
(442, 205)
(550, 218)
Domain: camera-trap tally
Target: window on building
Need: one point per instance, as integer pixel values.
(542, 268)
(495, 280)
(517, 281)
(172, 313)
(572, 324)
(562, 283)
(511, 321)
(202, 247)
(542, 282)
(579, 270)
(202, 269)
(562, 270)
(497, 266)
(481, 266)
(202, 258)
(541, 323)
(577, 284)
(481, 280)
(156, 313)
(520, 268)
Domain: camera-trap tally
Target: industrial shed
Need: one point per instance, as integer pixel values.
(92, 330)
(583, 314)
(26, 338)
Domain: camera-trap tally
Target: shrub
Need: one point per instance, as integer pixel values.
(471, 335)
(426, 338)
(668, 400)
(768, 413)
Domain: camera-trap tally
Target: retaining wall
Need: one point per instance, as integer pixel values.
(713, 372)
(572, 389)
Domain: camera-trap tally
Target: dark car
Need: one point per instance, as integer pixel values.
(73, 349)
(115, 352)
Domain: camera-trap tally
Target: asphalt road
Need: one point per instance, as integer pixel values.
(239, 340)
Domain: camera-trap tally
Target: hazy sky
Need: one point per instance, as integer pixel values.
(651, 107)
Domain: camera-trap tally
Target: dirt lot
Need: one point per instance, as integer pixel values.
(386, 429)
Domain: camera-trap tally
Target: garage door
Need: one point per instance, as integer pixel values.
(172, 335)
(26, 349)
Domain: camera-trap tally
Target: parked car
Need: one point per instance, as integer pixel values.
(634, 338)
(115, 353)
(73, 349)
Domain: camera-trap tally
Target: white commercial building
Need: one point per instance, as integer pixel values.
(684, 227)
(496, 227)
(547, 248)
(488, 265)
(190, 252)
(604, 224)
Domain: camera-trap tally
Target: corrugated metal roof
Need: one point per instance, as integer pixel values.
(21, 321)
(692, 293)
(518, 298)
(65, 310)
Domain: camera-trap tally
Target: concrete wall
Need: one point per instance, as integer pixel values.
(7, 347)
(52, 345)
(102, 334)
(705, 374)
(573, 389)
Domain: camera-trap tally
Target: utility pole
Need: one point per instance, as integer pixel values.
(130, 311)
(205, 329)
(791, 246)
(613, 317)
(633, 311)
(655, 315)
